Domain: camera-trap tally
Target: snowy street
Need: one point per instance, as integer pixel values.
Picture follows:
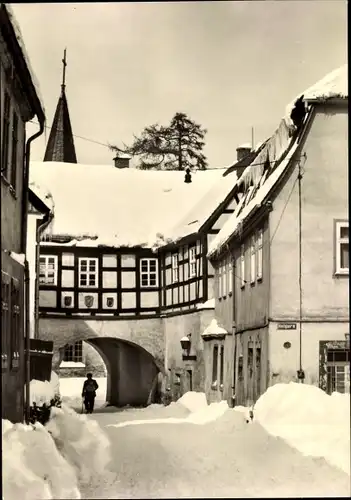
(224, 458)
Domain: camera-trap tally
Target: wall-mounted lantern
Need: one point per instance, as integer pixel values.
(185, 342)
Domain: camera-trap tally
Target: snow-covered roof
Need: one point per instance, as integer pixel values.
(43, 194)
(22, 46)
(122, 207)
(333, 85)
(201, 211)
(269, 165)
(214, 330)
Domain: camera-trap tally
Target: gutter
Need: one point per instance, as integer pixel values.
(40, 228)
(41, 119)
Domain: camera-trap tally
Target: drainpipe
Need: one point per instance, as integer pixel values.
(39, 231)
(41, 119)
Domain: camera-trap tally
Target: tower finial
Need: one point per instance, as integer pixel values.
(64, 62)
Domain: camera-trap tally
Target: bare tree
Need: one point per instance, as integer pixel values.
(177, 146)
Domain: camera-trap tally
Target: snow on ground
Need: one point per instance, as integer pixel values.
(32, 466)
(308, 419)
(195, 403)
(45, 462)
(71, 392)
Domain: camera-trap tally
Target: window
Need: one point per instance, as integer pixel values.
(88, 272)
(230, 276)
(220, 280)
(15, 325)
(259, 254)
(253, 260)
(338, 370)
(242, 266)
(192, 262)
(221, 367)
(14, 151)
(175, 268)
(224, 282)
(5, 318)
(74, 353)
(48, 270)
(215, 365)
(148, 272)
(342, 248)
(6, 137)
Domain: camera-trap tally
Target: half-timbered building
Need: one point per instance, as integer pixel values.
(288, 243)
(19, 103)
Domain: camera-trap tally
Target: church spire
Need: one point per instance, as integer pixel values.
(60, 146)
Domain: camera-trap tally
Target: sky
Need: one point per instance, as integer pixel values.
(229, 65)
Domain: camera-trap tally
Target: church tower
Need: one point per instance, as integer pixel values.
(60, 146)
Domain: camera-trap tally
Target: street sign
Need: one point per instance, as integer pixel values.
(286, 326)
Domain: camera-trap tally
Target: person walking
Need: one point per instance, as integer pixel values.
(90, 387)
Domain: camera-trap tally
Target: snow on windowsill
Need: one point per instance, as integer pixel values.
(72, 364)
(209, 304)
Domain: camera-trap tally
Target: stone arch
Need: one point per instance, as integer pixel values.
(133, 353)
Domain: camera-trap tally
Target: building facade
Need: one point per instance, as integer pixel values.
(19, 103)
(289, 244)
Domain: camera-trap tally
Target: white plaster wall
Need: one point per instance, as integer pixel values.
(31, 246)
(284, 363)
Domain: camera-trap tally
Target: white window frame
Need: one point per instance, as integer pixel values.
(47, 270)
(148, 274)
(88, 272)
(230, 276)
(175, 268)
(192, 262)
(220, 280)
(253, 259)
(259, 269)
(224, 289)
(339, 225)
(242, 266)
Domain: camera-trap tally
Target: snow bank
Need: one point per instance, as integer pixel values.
(193, 401)
(81, 442)
(44, 392)
(309, 420)
(49, 462)
(32, 466)
(200, 412)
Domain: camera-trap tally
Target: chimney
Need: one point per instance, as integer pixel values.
(122, 161)
(243, 151)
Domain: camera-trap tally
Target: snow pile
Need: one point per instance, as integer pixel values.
(309, 420)
(81, 442)
(41, 392)
(44, 392)
(195, 402)
(32, 466)
(209, 414)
